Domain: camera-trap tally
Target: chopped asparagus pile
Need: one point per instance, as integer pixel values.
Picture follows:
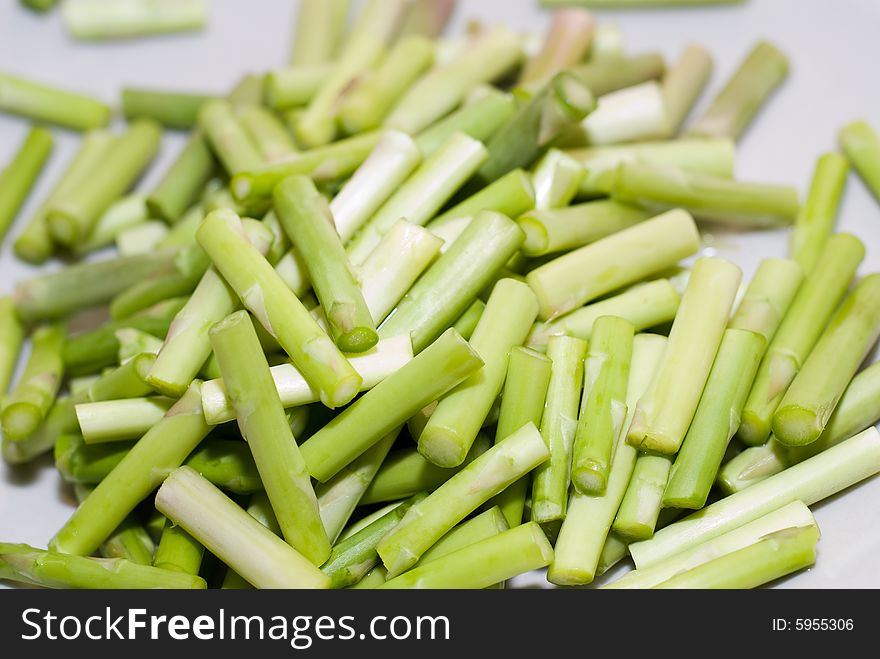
(413, 311)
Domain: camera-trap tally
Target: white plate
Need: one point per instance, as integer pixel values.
(832, 46)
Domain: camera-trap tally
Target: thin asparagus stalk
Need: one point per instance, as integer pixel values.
(184, 181)
(683, 84)
(178, 551)
(443, 88)
(768, 297)
(801, 328)
(482, 564)
(170, 109)
(126, 381)
(816, 219)
(644, 305)
(228, 139)
(12, 334)
(632, 114)
(467, 321)
(557, 179)
(426, 378)
(449, 286)
(277, 308)
(558, 426)
(707, 156)
(406, 472)
(18, 177)
(454, 425)
(306, 217)
(665, 412)
(584, 532)
(430, 519)
(266, 132)
(763, 70)
(227, 531)
(564, 229)
(861, 145)
(127, 213)
(129, 541)
(628, 256)
(481, 115)
(52, 569)
(810, 481)
(120, 420)
(604, 76)
(328, 163)
(480, 527)
(816, 389)
(43, 103)
(603, 408)
(709, 198)
(386, 358)
(320, 25)
(373, 98)
(99, 19)
(522, 402)
(794, 515)
(27, 405)
(715, 421)
(265, 428)
(513, 194)
(637, 517)
(423, 193)
(294, 87)
(387, 167)
(59, 421)
(159, 452)
(566, 44)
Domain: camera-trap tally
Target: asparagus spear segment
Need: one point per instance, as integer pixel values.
(79, 463)
(810, 481)
(768, 297)
(27, 405)
(178, 551)
(18, 177)
(184, 181)
(128, 214)
(428, 520)
(816, 389)
(715, 421)
(11, 337)
(227, 531)
(557, 179)
(664, 414)
(97, 19)
(306, 217)
(60, 420)
(294, 86)
(482, 564)
(160, 451)
(277, 308)
(454, 425)
(487, 524)
(432, 373)
(266, 132)
(52, 569)
(628, 256)
(801, 328)
(264, 426)
(126, 381)
(633, 114)
(604, 76)
(43, 103)
(120, 420)
(861, 145)
(763, 70)
(816, 220)
(449, 286)
(227, 137)
(683, 83)
(603, 408)
(558, 426)
(513, 194)
(170, 109)
(467, 321)
(566, 44)
(640, 507)
(320, 25)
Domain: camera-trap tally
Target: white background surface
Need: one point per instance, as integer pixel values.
(833, 49)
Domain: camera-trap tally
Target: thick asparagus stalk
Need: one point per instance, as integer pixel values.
(160, 451)
(320, 25)
(632, 114)
(52, 569)
(628, 256)
(715, 421)
(566, 44)
(768, 297)
(120, 420)
(487, 524)
(11, 337)
(640, 507)
(513, 194)
(18, 177)
(184, 180)
(427, 521)
(120, 224)
(98, 19)
(603, 408)
(810, 481)
(449, 286)
(389, 404)
(227, 137)
(43, 103)
(266, 132)
(78, 463)
(558, 427)
(59, 421)
(27, 405)
(170, 109)
(126, 381)
(861, 145)
(801, 328)
(295, 86)
(732, 110)
(227, 531)
(264, 426)
(683, 83)
(277, 308)
(454, 425)
(709, 198)
(604, 76)
(816, 219)
(130, 540)
(178, 551)
(557, 178)
(484, 563)
(816, 389)
(644, 305)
